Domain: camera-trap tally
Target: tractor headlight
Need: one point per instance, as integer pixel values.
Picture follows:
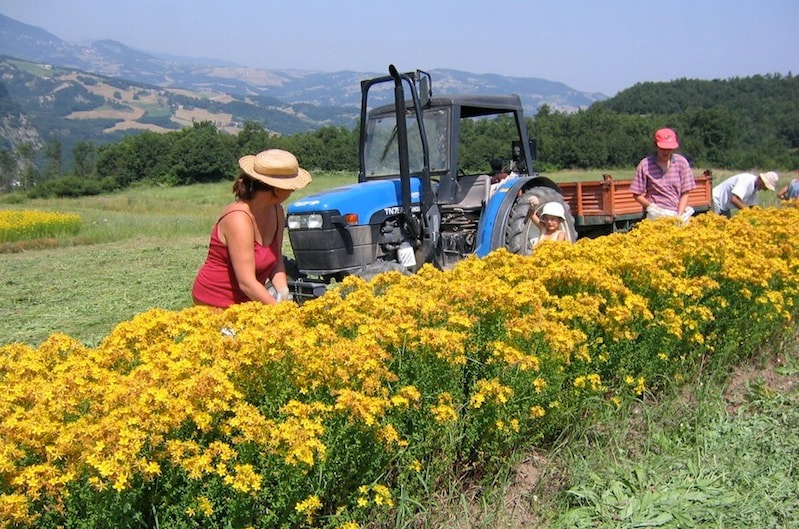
(313, 221)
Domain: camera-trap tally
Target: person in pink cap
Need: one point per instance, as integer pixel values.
(663, 179)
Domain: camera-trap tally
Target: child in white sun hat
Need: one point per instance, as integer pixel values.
(549, 221)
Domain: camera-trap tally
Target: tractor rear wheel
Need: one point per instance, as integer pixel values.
(520, 231)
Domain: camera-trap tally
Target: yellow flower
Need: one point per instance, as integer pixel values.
(205, 506)
(309, 506)
(443, 412)
(14, 510)
(591, 381)
(537, 412)
(389, 435)
(360, 406)
(244, 479)
(490, 390)
(382, 495)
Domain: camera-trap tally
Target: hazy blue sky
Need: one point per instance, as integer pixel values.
(591, 45)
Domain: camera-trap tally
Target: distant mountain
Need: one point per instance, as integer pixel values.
(39, 102)
(113, 59)
(99, 92)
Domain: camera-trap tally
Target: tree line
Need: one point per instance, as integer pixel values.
(738, 123)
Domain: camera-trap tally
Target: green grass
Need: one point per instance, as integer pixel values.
(710, 456)
(31, 68)
(588, 175)
(136, 250)
(84, 291)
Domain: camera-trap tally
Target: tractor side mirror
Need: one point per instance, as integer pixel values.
(517, 154)
(425, 91)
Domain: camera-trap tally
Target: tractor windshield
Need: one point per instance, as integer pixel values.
(382, 146)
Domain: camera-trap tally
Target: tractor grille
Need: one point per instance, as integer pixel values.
(338, 249)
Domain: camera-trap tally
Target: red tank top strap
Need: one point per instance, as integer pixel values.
(234, 211)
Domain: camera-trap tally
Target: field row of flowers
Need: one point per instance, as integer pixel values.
(17, 225)
(335, 413)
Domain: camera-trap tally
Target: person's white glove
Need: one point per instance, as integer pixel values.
(687, 214)
(283, 295)
(653, 211)
(533, 201)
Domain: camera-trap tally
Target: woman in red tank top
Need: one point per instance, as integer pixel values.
(245, 247)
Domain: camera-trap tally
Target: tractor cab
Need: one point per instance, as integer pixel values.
(413, 202)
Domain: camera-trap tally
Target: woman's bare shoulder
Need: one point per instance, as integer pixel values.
(235, 213)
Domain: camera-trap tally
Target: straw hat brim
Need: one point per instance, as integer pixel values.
(293, 180)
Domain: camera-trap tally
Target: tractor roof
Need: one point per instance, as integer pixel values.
(470, 105)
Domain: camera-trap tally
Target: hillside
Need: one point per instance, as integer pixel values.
(77, 106)
(55, 91)
(757, 112)
(324, 89)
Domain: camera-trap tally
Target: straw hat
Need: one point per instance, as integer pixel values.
(770, 180)
(276, 167)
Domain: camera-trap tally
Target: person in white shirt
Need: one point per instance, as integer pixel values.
(740, 191)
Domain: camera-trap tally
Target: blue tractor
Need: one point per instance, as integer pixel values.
(412, 203)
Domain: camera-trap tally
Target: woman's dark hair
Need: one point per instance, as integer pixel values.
(246, 186)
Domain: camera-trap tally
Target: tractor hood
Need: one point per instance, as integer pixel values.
(364, 199)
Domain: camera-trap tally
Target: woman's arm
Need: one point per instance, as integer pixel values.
(279, 278)
(239, 237)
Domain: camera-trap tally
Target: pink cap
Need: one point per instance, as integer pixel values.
(666, 139)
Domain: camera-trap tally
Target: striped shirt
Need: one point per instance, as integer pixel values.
(664, 189)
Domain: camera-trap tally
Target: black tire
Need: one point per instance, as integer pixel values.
(369, 271)
(292, 269)
(520, 230)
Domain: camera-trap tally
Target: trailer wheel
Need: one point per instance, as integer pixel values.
(520, 231)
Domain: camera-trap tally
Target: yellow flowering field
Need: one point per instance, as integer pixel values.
(16, 225)
(329, 414)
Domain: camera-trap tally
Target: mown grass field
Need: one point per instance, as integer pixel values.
(714, 454)
(136, 250)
